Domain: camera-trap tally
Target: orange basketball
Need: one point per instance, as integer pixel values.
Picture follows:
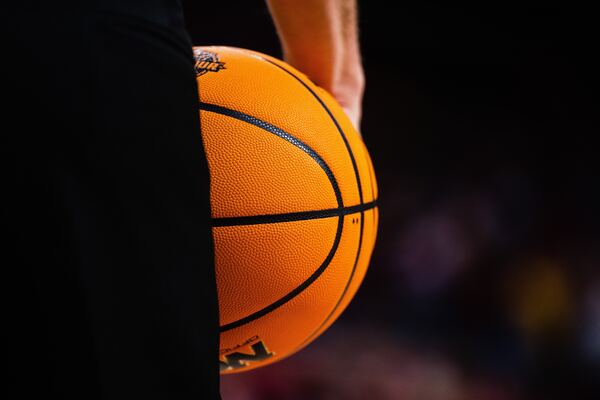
(293, 200)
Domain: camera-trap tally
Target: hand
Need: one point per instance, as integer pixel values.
(348, 91)
(320, 38)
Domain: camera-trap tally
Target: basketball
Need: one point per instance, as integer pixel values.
(293, 203)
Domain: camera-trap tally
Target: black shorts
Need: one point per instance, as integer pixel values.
(109, 271)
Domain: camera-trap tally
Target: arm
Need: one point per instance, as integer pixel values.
(320, 38)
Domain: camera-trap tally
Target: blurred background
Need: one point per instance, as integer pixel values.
(485, 281)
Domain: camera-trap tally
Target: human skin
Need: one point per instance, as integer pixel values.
(320, 38)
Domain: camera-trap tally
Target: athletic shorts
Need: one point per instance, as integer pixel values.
(109, 271)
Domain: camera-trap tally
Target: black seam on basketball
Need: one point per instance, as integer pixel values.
(296, 291)
(338, 194)
(358, 183)
(289, 217)
(348, 282)
(372, 179)
(337, 125)
(282, 134)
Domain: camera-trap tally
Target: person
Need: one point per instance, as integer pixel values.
(110, 287)
(320, 38)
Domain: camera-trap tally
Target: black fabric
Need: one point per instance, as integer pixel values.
(109, 288)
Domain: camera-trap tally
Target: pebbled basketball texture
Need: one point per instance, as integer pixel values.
(293, 202)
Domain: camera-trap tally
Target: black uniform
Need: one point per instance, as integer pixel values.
(108, 270)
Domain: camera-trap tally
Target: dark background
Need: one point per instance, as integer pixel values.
(485, 282)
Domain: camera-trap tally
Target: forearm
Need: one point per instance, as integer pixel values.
(320, 38)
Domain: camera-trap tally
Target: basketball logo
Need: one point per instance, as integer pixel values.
(206, 61)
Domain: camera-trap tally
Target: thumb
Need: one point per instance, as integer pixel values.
(354, 116)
